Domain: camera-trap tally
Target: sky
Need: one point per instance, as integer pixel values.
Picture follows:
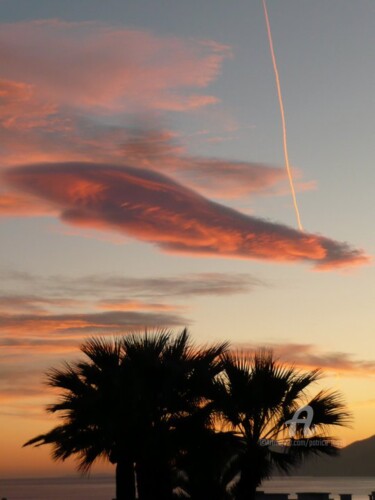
(143, 184)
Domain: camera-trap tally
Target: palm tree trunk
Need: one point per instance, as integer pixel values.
(153, 481)
(125, 480)
(249, 481)
(247, 492)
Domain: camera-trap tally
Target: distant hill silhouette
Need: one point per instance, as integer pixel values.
(357, 459)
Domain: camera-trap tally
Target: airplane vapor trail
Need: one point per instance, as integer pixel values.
(283, 122)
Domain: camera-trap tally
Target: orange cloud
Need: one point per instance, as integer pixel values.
(29, 122)
(15, 204)
(153, 208)
(19, 107)
(133, 305)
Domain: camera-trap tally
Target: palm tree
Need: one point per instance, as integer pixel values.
(90, 407)
(126, 403)
(257, 396)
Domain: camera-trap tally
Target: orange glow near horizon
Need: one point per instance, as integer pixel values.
(30, 461)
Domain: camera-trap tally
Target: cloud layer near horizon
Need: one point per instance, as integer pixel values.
(101, 304)
(310, 356)
(151, 207)
(43, 319)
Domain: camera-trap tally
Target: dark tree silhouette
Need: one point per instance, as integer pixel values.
(169, 414)
(127, 403)
(256, 397)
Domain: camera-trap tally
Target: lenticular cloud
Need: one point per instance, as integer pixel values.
(153, 208)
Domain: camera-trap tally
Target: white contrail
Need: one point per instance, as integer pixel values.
(285, 143)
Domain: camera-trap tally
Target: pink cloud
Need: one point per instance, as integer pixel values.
(89, 64)
(60, 78)
(30, 125)
(153, 208)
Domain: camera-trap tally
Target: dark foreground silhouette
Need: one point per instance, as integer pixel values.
(181, 421)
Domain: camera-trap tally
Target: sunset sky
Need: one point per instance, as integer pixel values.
(142, 183)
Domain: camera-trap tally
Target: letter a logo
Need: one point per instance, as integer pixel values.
(296, 419)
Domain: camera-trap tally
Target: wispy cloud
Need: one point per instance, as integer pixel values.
(220, 178)
(110, 322)
(117, 287)
(151, 207)
(34, 303)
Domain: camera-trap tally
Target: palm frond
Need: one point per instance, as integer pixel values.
(329, 410)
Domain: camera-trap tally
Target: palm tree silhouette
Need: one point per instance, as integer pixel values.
(169, 414)
(256, 397)
(127, 403)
